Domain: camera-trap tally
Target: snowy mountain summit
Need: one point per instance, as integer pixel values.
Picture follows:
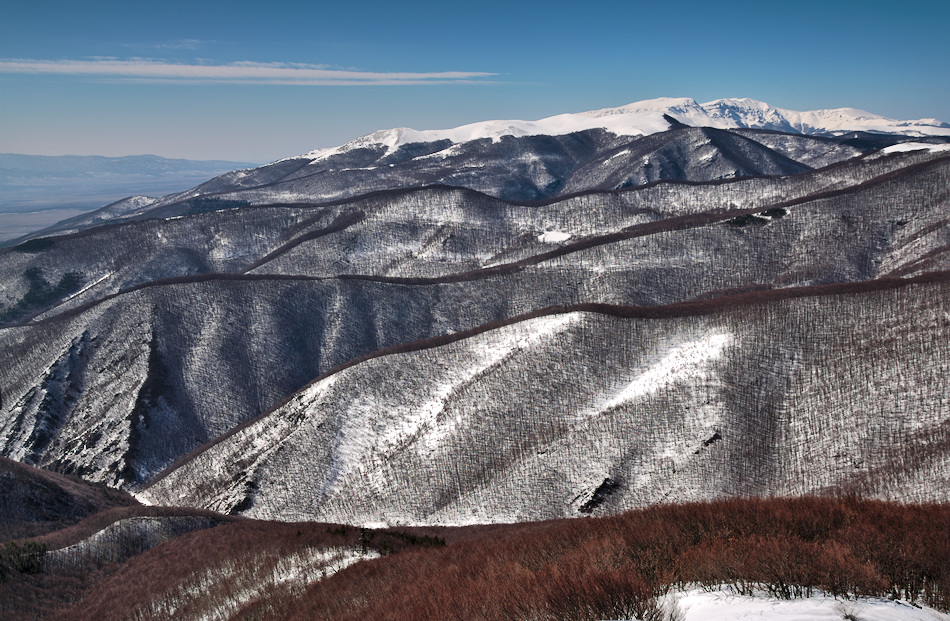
(654, 115)
(668, 139)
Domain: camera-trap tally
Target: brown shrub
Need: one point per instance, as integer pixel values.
(591, 568)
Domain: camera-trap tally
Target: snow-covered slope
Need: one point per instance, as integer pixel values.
(723, 605)
(193, 357)
(647, 117)
(127, 346)
(576, 413)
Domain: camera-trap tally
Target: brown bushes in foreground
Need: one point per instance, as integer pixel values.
(590, 568)
(615, 567)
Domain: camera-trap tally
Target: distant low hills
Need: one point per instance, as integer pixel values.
(38, 190)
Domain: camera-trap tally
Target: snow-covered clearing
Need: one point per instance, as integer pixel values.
(553, 237)
(723, 605)
(916, 146)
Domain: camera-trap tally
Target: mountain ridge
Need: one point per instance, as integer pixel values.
(632, 121)
(274, 334)
(152, 328)
(645, 117)
(903, 164)
(727, 331)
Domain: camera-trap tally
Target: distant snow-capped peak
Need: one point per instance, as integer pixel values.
(647, 117)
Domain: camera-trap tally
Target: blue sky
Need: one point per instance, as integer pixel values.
(257, 81)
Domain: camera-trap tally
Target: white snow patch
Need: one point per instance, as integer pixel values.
(87, 287)
(427, 415)
(142, 498)
(687, 361)
(723, 605)
(444, 153)
(315, 390)
(618, 154)
(916, 146)
(708, 155)
(553, 237)
(419, 417)
(255, 579)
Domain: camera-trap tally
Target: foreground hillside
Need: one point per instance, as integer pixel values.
(666, 562)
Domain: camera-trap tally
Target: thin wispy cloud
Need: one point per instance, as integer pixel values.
(184, 44)
(145, 70)
(180, 44)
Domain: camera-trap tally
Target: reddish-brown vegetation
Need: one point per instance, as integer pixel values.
(93, 524)
(34, 501)
(614, 567)
(37, 578)
(590, 568)
(207, 570)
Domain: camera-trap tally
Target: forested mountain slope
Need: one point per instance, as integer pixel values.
(490, 324)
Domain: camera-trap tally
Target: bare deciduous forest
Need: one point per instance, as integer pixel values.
(722, 353)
